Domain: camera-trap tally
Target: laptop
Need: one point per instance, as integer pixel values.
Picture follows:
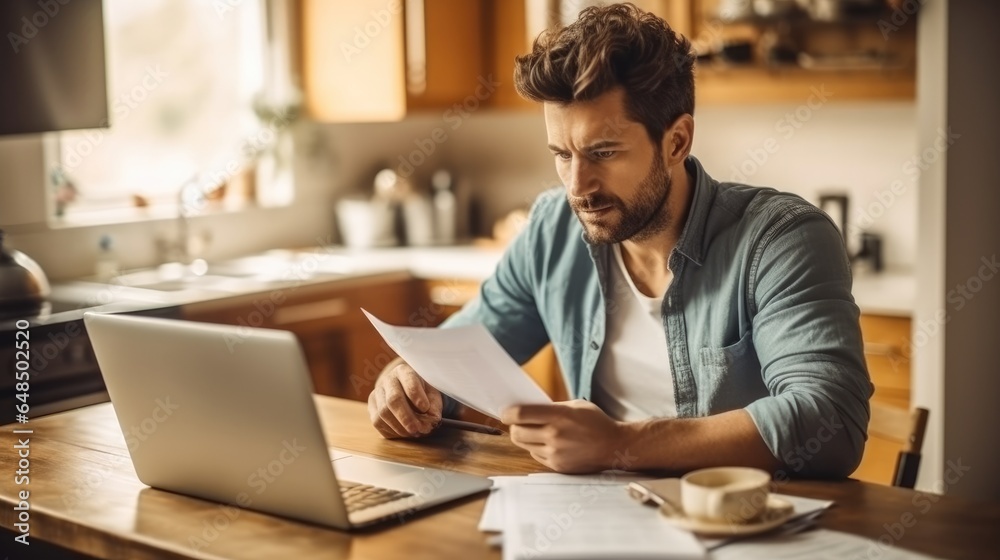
(236, 423)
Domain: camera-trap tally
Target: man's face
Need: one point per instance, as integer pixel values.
(615, 177)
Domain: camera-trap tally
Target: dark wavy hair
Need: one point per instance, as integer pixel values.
(610, 46)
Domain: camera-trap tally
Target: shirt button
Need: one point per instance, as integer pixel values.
(594, 345)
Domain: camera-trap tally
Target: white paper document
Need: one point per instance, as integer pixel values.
(494, 514)
(547, 515)
(513, 511)
(592, 520)
(466, 363)
(819, 544)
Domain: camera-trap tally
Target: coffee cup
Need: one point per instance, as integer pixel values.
(725, 494)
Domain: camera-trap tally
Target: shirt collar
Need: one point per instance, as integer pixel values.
(691, 243)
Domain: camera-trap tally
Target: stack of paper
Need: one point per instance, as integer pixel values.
(819, 544)
(560, 516)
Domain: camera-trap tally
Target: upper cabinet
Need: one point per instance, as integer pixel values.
(353, 66)
(377, 60)
(801, 50)
(804, 51)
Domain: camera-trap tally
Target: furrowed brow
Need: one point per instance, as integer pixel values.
(599, 145)
(603, 144)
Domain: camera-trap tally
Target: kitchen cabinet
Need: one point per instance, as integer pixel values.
(377, 60)
(510, 35)
(887, 353)
(843, 78)
(343, 350)
(352, 56)
(842, 49)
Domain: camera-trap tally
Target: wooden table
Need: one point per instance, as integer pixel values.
(85, 497)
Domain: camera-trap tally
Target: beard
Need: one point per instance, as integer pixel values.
(637, 220)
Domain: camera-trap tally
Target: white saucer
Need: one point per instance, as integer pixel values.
(777, 513)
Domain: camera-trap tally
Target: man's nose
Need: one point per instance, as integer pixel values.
(582, 180)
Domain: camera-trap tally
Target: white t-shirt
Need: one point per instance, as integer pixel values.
(632, 380)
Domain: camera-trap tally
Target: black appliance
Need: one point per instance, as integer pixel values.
(52, 64)
(63, 373)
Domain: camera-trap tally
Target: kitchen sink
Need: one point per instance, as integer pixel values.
(167, 282)
(208, 282)
(260, 272)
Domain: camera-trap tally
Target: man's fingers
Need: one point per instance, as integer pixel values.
(413, 386)
(531, 414)
(390, 427)
(387, 416)
(436, 402)
(399, 404)
(432, 418)
(540, 458)
(372, 407)
(527, 434)
(374, 412)
(538, 451)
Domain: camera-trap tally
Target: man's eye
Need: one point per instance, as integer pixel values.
(563, 156)
(605, 154)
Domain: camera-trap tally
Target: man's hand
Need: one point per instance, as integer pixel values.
(568, 437)
(402, 404)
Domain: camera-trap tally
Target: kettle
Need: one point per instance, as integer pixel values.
(24, 288)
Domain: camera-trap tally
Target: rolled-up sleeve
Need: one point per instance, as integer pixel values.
(808, 340)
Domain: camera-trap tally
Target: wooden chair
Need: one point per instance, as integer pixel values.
(903, 427)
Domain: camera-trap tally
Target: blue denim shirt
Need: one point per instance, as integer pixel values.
(759, 315)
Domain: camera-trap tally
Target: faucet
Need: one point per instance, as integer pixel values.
(185, 248)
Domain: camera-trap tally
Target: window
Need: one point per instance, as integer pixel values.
(184, 78)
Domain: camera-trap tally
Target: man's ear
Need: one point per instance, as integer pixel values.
(676, 143)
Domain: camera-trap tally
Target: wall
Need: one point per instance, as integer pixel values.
(858, 148)
(863, 149)
(958, 320)
(972, 246)
(928, 357)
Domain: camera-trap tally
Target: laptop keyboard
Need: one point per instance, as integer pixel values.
(360, 496)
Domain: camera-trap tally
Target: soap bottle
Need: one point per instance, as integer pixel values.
(418, 217)
(106, 267)
(445, 207)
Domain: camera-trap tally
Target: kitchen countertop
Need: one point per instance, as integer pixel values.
(890, 293)
(284, 269)
(464, 262)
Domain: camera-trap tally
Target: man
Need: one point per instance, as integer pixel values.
(697, 323)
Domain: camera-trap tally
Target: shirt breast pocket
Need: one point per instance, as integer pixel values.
(729, 377)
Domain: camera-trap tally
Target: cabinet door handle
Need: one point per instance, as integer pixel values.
(324, 309)
(416, 47)
(882, 349)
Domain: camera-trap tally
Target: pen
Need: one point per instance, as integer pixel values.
(470, 426)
